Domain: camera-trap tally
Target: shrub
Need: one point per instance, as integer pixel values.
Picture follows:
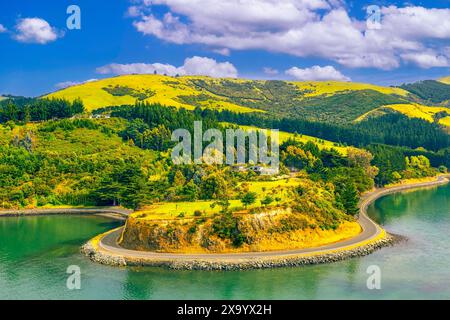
(197, 213)
(226, 227)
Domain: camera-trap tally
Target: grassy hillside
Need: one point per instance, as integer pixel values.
(322, 144)
(331, 101)
(445, 80)
(439, 115)
(173, 91)
(316, 88)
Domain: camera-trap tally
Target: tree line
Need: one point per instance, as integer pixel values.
(26, 110)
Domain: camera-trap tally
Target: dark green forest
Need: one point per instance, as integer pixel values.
(430, 91)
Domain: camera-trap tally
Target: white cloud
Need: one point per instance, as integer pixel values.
(139, 68)
(209, 67)
(133, 11)
(223, 51)
(67, 84)
(2, 29)
(192, 66)
(317, 73)
(270, 71)
(426, 60)
(35, 30)
(303, 28)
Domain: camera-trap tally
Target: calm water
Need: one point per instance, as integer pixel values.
(36, 251)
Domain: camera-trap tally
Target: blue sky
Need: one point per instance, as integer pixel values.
(249, 39)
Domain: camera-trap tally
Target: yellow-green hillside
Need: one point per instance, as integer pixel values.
(171, 210)
(445, 80)
(173, 91)
(413, 111)
(308, 99)
(322, 144)
(316, 88)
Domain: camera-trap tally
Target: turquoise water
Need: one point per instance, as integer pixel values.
(36, 251)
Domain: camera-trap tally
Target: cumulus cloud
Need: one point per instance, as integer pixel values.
(2, 28)
(321, 28)
(270, 71)
(192, 66)
(426, 60)
(317, 73)
(35, 30)
(67, 84)
(209, 67)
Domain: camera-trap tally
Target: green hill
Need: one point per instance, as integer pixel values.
(430, 91)
(67, 162)
(330, 101)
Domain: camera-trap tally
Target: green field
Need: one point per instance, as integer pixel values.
(171, 210)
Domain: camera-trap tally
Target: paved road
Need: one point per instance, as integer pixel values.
(371, 230)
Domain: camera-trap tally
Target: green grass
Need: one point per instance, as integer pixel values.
(171, 210)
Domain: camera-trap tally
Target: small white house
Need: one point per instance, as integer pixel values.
(239, 168)
(265, 171)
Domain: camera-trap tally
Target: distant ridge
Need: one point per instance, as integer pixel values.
(325, 101)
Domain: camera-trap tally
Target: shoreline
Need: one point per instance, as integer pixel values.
(110, 212)
(108, 252)
(104, 249)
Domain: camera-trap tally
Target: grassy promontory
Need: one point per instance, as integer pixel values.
(269, 230)
(371, 239)
(291, 213)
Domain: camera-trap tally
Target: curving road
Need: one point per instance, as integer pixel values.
(370, 231)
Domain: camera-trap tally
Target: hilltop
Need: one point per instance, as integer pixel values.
(329, 101)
